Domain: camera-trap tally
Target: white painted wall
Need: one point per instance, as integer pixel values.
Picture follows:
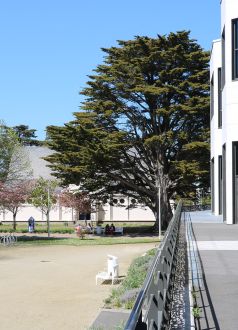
(229, 132)
(56, 214)
(229, 9)
(121, 212)
(216, 133)
(106, 213)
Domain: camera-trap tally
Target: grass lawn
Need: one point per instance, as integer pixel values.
(89, 240)
(69, 227)
(134, 233)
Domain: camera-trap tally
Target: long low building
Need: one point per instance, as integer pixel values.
(105, 212)
(124, 208)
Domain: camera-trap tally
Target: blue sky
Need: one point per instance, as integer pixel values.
(49, 47)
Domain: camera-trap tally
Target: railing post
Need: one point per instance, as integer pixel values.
(140, 324)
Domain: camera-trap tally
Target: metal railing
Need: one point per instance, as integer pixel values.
(196, 207)
(151, 309)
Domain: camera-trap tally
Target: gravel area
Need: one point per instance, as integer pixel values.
(53, 287)
(180, 312)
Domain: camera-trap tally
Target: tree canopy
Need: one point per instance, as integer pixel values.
(44, 196)
(143, 128)
(14, 161)
(13, 197)
(26, 135)
(78, 201)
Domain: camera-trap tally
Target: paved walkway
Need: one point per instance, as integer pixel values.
(218, 250)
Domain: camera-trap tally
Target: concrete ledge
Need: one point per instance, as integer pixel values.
(109, 319)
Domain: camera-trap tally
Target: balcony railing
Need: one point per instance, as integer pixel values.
(151, 309)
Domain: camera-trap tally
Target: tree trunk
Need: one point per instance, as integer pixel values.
(163, 212)
(14, 221)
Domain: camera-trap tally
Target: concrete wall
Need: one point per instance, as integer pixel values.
(105, 213)
(229, 11)
(229, 132)
(56, 214)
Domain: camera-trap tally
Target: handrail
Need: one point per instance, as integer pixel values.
(154, 291)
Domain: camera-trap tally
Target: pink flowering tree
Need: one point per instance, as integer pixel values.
(12, 197)
(79, 201)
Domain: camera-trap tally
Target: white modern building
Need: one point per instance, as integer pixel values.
(224, 115)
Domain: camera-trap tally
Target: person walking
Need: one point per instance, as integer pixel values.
(31, 224)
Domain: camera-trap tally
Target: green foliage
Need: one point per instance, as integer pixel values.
(14, 163)
(43, 194)
(26, 136)
(129, 304)
(7, 145)
(44, 197)
(194, 294)
(196, 311)
(39, 240)
(131, 229)
(144, 124)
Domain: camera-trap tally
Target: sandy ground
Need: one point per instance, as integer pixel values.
(53, 287)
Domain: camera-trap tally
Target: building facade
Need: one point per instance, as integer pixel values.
(224, 116)
(123, 208)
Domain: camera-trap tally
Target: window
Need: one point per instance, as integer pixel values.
(212, 185)
(219, 98)
(223, 72)
(212, 97)
(235, 182)
(235, 49)
(220, 183)
(224, 180)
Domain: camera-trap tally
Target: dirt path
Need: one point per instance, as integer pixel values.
(53, 287)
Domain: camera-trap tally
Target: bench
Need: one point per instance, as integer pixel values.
(119, 230)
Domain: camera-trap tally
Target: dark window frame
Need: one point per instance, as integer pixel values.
(212, 96)
(234, 175)
(224, 181)
(223, 56)
(219, 93)
(212, 183)
(220, 183)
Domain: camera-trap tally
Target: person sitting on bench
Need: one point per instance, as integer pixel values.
(112, 229)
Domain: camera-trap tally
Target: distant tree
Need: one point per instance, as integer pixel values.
(44, 197)
(14, 161)
(7, 145)
(144, 126)
(78, 201)
(13, 196)
(26, 135)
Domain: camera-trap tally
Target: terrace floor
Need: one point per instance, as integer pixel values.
(217, 245)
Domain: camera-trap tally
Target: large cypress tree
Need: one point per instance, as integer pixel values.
(143, 127)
